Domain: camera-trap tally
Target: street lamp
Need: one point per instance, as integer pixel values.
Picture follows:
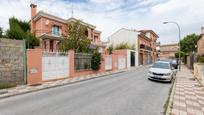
(179, 41)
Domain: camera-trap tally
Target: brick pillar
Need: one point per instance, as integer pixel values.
(71, 63)
(114, 62)
(102, 66)
(34, 66)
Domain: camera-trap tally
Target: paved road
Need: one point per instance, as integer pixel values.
(127, 93)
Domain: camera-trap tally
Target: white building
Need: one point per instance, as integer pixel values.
(142, 44)
(130, 37)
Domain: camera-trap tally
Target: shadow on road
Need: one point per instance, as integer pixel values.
(161, 82)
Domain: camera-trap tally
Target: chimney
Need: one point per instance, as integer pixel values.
(33, 10)
(202, 30)
(33, 13)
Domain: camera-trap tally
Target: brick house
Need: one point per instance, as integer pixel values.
(144, 42)
(147, 46)
(52, 29)
(167, 51)
(200, 46)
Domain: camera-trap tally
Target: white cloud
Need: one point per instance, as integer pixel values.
(110, 15)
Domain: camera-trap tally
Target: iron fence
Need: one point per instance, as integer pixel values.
(82, 61)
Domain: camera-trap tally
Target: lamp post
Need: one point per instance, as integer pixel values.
(179, 41)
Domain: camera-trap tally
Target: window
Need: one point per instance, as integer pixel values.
(56, 30)
(95, 39)
(86, 33)
(161, 65)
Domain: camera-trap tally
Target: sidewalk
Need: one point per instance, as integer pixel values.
(188, 98)
(27, 89)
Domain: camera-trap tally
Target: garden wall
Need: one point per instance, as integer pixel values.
(35, 66)
(11, 61)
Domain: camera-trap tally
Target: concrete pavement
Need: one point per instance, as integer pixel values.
(127, 93)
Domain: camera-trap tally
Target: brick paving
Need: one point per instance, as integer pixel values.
(188, 96)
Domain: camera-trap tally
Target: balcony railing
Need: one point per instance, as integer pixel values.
(142, 46)
(148, 48)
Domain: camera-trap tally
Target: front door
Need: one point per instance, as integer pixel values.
(132, 59)
(141, 59)
(51, 45)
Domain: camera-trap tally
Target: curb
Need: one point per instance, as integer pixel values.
(170, 103)
(69, 83)
(58, 85)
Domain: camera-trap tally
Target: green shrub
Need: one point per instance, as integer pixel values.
(200, 59)
(122, 46)
(110, 49)
(7, 85)
(96, 61)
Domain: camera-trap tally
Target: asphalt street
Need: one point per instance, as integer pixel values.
(127, 93)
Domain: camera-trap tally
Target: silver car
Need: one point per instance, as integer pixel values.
(162, 71)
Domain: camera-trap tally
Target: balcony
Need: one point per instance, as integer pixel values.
(145, 47)
(148, 48)
(142, 46)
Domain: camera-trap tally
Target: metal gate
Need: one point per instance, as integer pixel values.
(108, 62)
(55, 65)
(121, 62)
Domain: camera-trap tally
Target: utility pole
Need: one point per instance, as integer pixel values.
(179, 29)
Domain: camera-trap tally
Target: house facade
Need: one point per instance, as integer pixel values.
(167, 51)
(200, 46)
(142, 42)
(52, 29)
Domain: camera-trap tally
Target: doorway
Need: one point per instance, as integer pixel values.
(132, 59)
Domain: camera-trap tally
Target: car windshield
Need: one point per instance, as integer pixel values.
(174, 62)
(161, 65)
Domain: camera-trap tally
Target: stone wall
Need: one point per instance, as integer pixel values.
(11, 61)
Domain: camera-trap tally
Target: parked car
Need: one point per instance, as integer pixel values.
(162, 71)
(175, 63)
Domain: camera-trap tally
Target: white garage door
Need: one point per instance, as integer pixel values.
(121, 62)
(55, 66)
(108, 62)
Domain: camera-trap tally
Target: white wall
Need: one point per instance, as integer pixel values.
(124, 36)
(136, 58)
(128, 59)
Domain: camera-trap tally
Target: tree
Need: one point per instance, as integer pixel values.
(96, 61)
(76, 39)
(1, 32)
(182, 54)
(110, 49)
(20, 30)
(188, 43)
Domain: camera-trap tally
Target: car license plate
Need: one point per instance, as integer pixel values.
(156, 76)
